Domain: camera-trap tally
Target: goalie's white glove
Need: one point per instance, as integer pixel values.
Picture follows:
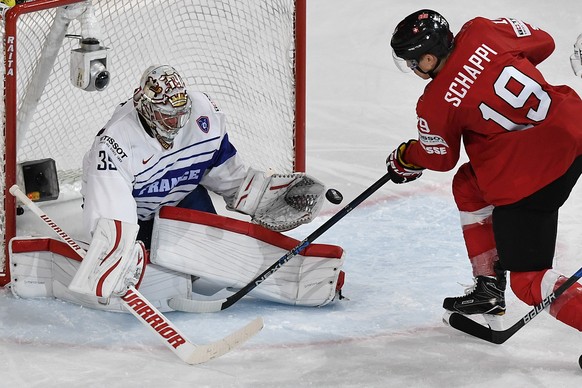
(279, 202)
(576, 58)
(113, 263)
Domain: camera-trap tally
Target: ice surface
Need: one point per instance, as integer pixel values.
(404, 247)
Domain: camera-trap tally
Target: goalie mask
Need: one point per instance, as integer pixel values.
(163, 102)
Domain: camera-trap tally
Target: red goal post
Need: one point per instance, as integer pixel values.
(249, 56)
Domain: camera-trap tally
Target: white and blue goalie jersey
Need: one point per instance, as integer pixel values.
(129, 176)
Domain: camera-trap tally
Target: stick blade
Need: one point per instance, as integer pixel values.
(196, 306)
(204, 353)
(469, 326)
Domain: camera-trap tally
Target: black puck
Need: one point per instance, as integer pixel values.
(580, 361)
(334, 196)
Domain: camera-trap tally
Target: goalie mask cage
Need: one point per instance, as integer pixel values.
(249, 56)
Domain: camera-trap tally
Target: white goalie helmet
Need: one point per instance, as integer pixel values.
(163, 102)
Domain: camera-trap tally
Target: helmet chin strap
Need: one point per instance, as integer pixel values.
(431, 72)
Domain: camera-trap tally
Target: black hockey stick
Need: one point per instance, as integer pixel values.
(469, 326)
(210, 306)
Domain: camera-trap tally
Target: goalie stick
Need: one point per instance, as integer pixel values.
(469, 326)
(149, 315)
(210, 306)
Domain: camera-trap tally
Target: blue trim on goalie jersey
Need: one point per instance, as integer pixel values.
(168, 190)
(224, 152)
(161, 166)
(146, 209)
(172, 181)
(154, 191)
(149, 177)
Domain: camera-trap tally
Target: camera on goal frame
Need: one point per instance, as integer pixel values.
(89, 66)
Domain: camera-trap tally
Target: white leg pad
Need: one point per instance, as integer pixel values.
(231, 253)
(43, 268)
(31, 273)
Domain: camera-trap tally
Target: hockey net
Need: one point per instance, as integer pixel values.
(247, 55)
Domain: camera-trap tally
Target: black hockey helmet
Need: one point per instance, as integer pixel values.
(422, 32)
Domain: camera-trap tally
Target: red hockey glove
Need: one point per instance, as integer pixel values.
(400, 171)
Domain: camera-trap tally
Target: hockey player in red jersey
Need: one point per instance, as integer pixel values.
(524, 145)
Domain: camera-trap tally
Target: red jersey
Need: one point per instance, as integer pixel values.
(519, 132)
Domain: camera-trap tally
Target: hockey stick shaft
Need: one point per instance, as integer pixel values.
(469, 326)
(218, 305)
(148, 314)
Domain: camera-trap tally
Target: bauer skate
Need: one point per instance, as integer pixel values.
(486, 297)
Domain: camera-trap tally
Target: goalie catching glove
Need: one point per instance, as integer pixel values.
(113, 263)
(279, 202)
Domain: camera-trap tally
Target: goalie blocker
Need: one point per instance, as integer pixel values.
(221, 253)
(113, 263)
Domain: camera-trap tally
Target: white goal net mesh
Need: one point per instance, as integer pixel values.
(241, 53)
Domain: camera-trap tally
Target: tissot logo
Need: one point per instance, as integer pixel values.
(113, 146)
